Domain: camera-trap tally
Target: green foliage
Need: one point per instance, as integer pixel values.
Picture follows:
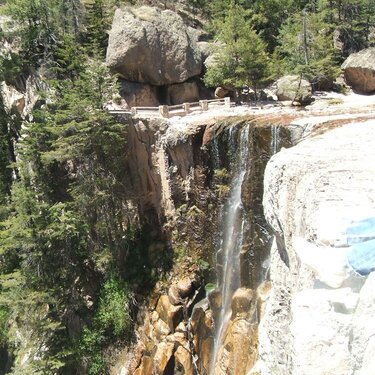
(97, 26)
(67, 210)
(37, 20)
(203, 265)
(112, 319)
(306, 46)
(221, 174)
(114, 307)
(64, 218)
(209, 288)
(353, 19)
(242, 59)
(4, 316)
(5, 157)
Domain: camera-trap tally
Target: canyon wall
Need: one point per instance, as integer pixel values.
(182, 176)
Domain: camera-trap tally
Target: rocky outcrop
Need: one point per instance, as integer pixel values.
(13, 99)
(186, 92)
(222, 92)
(138, 94)
(152, 46)
(359, 71)
(180, 184)
(308, 188)
(22, 97)
(238, 352)
(294, 88)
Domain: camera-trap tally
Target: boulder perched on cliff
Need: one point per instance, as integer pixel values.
(295, 89)
(152, 46)
(359, 71)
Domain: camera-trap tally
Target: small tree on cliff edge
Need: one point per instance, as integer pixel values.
(242, 60)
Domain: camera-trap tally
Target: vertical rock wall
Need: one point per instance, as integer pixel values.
(180, 179)
(309, 328)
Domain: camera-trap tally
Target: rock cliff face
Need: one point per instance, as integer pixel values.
(181, 176)
(309, 328)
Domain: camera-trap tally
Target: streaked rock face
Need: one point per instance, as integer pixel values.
(309, 328)
(152, 46)
(359, 71)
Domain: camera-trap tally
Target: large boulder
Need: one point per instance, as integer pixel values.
(152, 46)
(294, 88)
(168, 313)
(359, 71)
(138, 94)
(186, 92)
(222, 91)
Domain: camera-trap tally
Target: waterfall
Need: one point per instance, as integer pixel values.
(275, 135)
(230, 244)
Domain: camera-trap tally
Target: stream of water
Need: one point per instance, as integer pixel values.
(230, 245)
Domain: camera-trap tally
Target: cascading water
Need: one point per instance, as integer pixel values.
(275, 139)
(230, 245)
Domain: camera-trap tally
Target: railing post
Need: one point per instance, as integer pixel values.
(164, 111)
(133, 111)
(186, 108)
(204, 105)
(227, 102)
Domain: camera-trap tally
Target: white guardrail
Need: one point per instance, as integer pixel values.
(168, 111)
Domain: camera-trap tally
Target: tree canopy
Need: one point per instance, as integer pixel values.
(242, 59)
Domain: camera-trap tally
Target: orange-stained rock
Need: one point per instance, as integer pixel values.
(161, 330)
(238, 353)
(241, 302)
(174, 295)
(169, 313)
(145, 368)
(162, 356)
(184, 363)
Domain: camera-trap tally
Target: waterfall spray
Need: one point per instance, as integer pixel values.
(230, 246)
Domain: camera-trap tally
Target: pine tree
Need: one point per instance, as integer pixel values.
(306, 46)
(242, 60)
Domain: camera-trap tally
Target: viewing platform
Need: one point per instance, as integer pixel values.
(168, 111)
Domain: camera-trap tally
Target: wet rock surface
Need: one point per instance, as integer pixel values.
(181, 179)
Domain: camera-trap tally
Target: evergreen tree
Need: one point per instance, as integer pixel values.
(37, 20)
(242, 60)
(97, 26)
(306, 46)
(352, 20)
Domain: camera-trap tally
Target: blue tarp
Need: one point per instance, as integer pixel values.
(361, 238)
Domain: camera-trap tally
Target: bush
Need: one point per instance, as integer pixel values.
(3, 326)
(114, 307)
(112, 321)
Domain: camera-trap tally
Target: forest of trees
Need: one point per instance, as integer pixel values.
(64, 248)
